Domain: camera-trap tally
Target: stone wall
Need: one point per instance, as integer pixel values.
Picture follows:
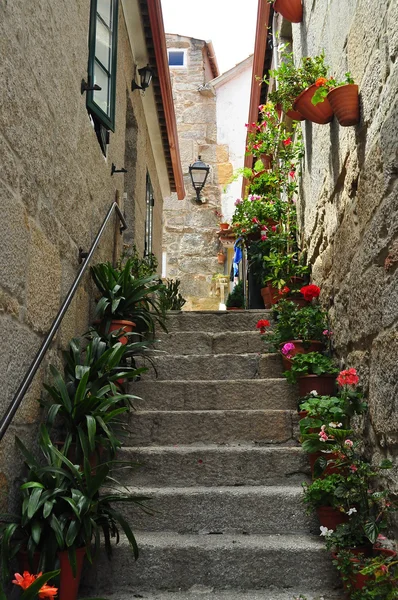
(189, 235)
(55, 189)
(348, 206)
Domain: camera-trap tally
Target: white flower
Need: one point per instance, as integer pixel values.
(314, 393)
(325, 531)
(335, 425)
(351, 511)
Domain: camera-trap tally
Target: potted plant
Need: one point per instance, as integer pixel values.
(221, 257)
(170, 296)
(320, 496)
(34, 586)
(313, 371)
(342, 96)
(126, 300)
(62, 512)
(292, 10)
(235, 298)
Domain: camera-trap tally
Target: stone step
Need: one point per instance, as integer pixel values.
(212, 366)
(228, 342)
(151, 428)
(216, 321)
(231, 510)
(274, 394)
(213, 465)
(205, 593)
(173, 562)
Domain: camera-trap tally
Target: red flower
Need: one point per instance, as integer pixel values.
(274, 227)
(255, 220)
(24, 580)
(292, 174)
(310, 291)
(320, 81)
(348, 377)
(47, 591)
(287, 142)
(262, 324)
(284, 290)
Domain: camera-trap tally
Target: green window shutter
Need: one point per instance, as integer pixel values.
(102, 61)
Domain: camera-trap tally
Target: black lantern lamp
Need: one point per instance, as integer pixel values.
(199, 172)
(146, 75)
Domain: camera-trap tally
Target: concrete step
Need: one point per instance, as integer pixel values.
(276, 394)
(150, 428)
(173, 562)
(216, 321)
(213, 465)
(205, 593)
(231, 510)
(228, 342)
(210, 367)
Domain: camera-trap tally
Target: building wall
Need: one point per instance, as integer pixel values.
(189, 236)
(232, 98)
(349, 201)
(55, 189)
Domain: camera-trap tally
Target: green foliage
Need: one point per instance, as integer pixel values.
(321, 492)
(329, 84)
(139, 266)
(235, 298)
(295, 323)
(333, 408)
(63, 509)
(127, 297)
(313, 363)
(170, 297)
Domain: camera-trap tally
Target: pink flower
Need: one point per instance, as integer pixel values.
(264, 228)
(348, 443)
(292, 174)
(274, 227)
(255, 220)
(288, 347)
(264, 237)
(238, 201)
(353, 468)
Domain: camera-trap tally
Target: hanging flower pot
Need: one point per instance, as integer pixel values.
(295, 115)
(221, 258)
(224, 226)
(323, 384)
(267, 161)
(322, 113)
(292, 10)
(344, 101)
(331, 517)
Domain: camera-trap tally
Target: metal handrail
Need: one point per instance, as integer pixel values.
(27, 380)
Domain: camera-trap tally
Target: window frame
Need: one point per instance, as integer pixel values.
(185, 55)
(107, 121)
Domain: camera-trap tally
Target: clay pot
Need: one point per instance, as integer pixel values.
(302, 414)
(314, 346)
(221, 258)
(322, 113)
(292, 10)
(300, 302)
(330, 468)
(344, 101)
(234, 308)
(294, 115)
(331, 517)
(127, 326)
(224, 226)
(323, 384)
(267, 161)
(270, 295)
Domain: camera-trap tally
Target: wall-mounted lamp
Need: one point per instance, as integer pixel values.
(115, 170)
(199, 172)
(146, 75)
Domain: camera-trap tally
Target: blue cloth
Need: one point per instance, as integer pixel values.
(237, 257)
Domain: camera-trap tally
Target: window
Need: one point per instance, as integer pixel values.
(102, 64)
(177, 58)
(150, 201)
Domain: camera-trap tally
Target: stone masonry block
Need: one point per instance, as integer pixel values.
(224, 172)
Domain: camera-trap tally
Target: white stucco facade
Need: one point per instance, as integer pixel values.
(232, 100)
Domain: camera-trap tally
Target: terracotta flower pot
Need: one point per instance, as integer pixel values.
(224, 226)
(323, 384)
(127, 326)
(270, 295)
(344, 101)
(294, 115)
(221, 258)
(330, 468)
(267, 161)
(234, 308)
(322, 113)
(300, 302)
(299, 348)
(302, 414)
(292, 10)
(331, 517)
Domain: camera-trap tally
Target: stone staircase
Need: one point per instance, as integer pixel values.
(215, 435)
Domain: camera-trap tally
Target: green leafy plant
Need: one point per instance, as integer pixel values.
(63, 509)
(295, 323)
(325, 85)
(333, 409)
(140, 266)
(170, 297)
(235, 298)
(321, 492)
(127, 297)
(313, 363)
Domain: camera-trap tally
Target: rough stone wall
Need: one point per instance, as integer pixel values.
(349, 201)
(189, 235)
(55, 189)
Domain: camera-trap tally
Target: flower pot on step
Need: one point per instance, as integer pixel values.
(300, 302)
(323, 384)
(344, 101)
(292, 10)
(328, 456)
(270, 295)
(299, 348)
(234, 308)
(127, 326)
(322, 113)
(331, 517)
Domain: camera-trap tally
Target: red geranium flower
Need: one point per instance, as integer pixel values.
(348, 377)
(320, 81)
(285, 290)
(287, 142)
(262, 324)
(310, 291)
